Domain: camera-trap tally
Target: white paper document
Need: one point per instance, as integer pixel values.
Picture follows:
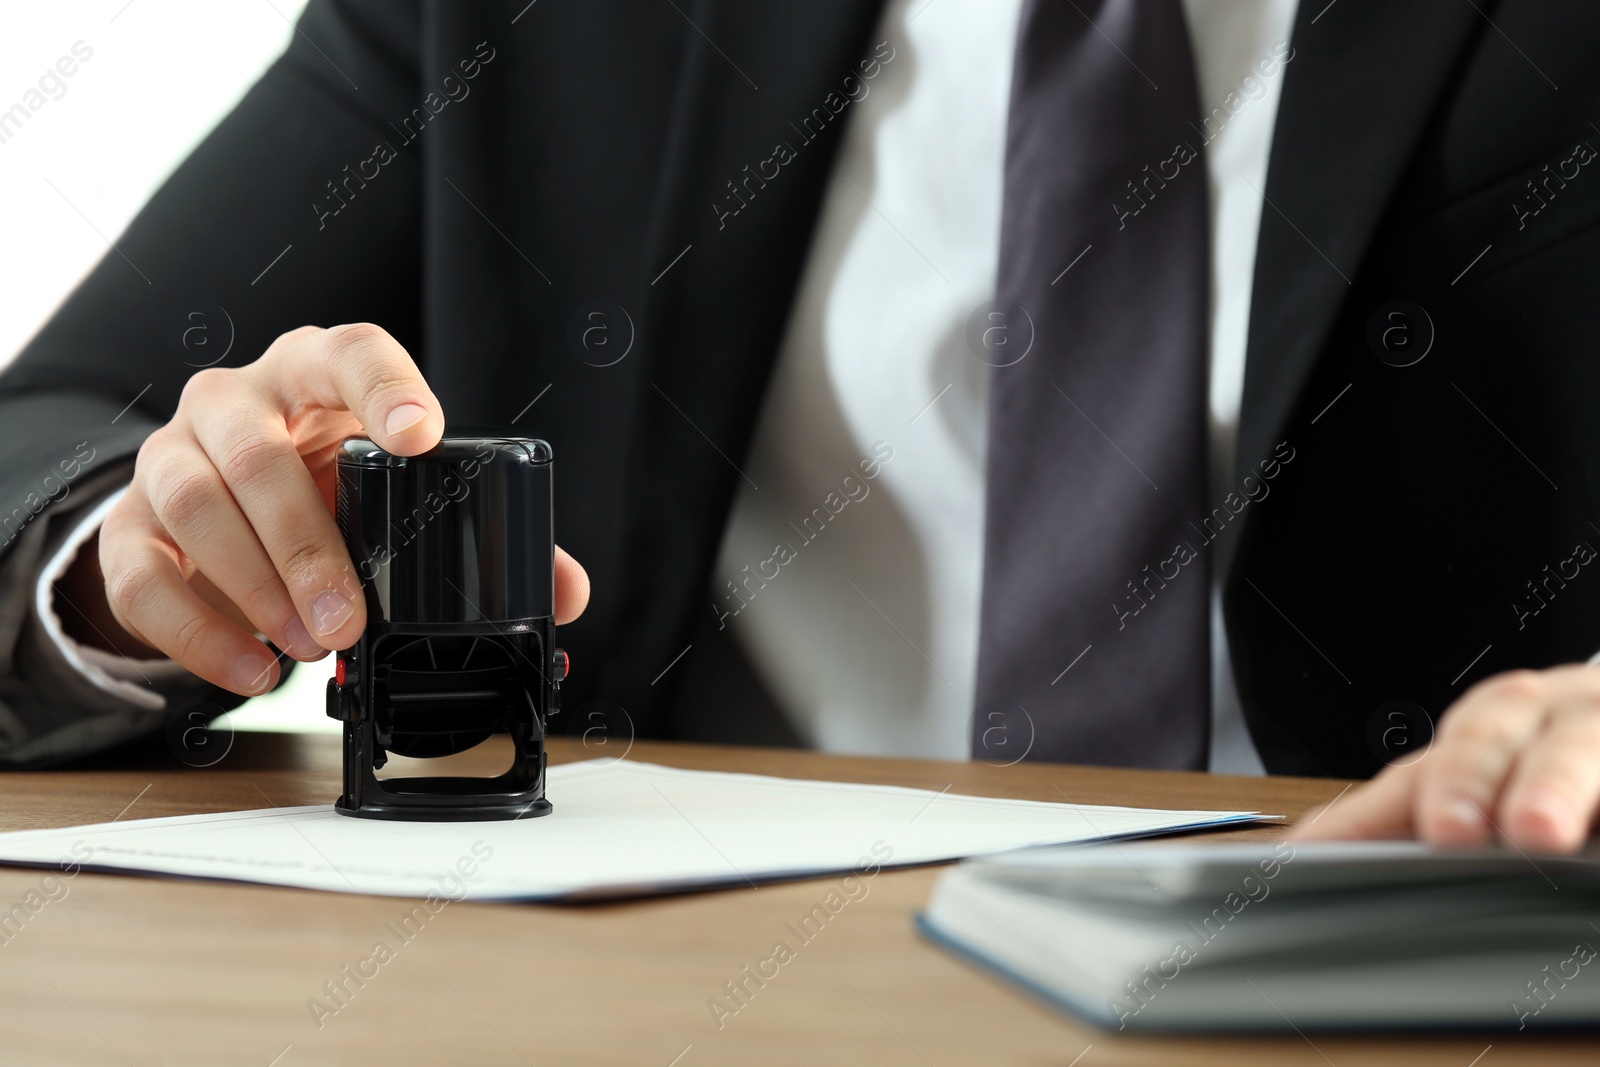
(619, 828)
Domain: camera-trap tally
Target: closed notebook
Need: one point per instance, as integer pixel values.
(1191, 938)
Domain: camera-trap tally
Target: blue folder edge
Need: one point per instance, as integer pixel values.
(1071, 1005)
(1104, 1019)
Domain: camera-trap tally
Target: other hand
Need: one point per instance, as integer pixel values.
(1516, 759)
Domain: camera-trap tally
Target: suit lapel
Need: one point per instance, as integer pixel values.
(1363, 81)
(722, 256)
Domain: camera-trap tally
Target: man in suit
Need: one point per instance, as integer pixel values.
(1359, 386)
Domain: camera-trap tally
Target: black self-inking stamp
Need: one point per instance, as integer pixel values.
(456, 554)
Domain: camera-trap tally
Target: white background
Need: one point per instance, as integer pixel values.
(162, 74)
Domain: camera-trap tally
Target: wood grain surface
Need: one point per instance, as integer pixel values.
(132, 970)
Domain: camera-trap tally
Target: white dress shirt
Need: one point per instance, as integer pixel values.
(868, 636)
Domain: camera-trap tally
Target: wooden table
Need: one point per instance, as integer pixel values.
(132, 970)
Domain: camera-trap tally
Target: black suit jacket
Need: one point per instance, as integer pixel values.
(588, 158)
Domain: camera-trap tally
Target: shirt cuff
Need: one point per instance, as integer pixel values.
(113, 674)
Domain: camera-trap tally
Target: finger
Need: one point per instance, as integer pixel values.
(207, 590)
(1381, 809)
(1469, 761)
(193, 504)
(149, 598)
(361, 369)
(572, 588)
(1550, 802)
(247, 441)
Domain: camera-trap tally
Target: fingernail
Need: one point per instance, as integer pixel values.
(329, 612)
(1550, 806)
(404, 417)
(252, 673)
(299, 643)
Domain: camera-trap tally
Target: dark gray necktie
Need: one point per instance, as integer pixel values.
(1093, 646)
